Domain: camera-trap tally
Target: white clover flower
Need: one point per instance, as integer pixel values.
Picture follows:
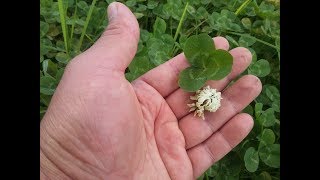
(207, 99)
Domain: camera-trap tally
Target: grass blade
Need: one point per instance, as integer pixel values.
(73, 24)
(180, 22)
(179, 27)
(243, 5)
(62, 13)
(258, 40)
(86, 24)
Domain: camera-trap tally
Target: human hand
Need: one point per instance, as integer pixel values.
(100, 126)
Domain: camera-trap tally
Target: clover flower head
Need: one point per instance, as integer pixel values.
(206, 99)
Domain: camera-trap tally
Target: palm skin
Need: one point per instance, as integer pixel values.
(100, 126)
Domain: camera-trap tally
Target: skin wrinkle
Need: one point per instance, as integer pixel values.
(147, 116)
(144, 106)
(142, 161)
(100, 149)
(147, 152)
(234, 108)
(93, 131)
(87, 139)
(210, 153)
(141, 137)
(230, 146)
(164, 163)
(152, 162)
(141, 83)
(118, 29)
(65, 149)
(46, 169)
(50, 160)
(74, 155)
(166, 147)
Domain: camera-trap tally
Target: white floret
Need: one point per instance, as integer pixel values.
(206, 99)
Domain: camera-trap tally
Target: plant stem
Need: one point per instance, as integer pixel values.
(206, 175)
(194, 28)
(259, 40)
(180, 23)
(89, 38)
(243, 5)
(179, 28)
(62, 13)
(74, 22)
(171, 26)
(86, 24)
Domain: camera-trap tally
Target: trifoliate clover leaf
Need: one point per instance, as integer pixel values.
(207, 63)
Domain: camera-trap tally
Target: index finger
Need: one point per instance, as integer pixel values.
(164, 78)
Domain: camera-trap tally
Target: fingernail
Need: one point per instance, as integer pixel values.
(112, 11)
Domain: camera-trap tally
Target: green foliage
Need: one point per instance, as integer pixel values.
(271, 155)
(260, 68)
(207, 63)
(68, 27)
(251, 159)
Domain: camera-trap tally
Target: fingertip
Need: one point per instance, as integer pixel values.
(112, 10)
(221, 43)
(255, 82)
(247, 84)
(242, 53)
(246, 121)
(246, 53)
(237, 128)
(125, 17)
(118, 44)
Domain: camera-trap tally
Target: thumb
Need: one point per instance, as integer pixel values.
(118, 44)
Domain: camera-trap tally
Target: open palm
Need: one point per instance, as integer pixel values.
(100, 126)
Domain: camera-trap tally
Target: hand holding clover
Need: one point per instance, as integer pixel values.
(100, 126)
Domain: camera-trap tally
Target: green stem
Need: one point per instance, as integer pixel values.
(179, 28)
(180, 23)
(89, 38)
(86, 24)
(259, 40)
(206, 175)
(62, 13)
(171, 26)
(194, 28)
(74, 22)
(243, 5)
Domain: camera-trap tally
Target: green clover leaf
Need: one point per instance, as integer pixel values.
(207, 63)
